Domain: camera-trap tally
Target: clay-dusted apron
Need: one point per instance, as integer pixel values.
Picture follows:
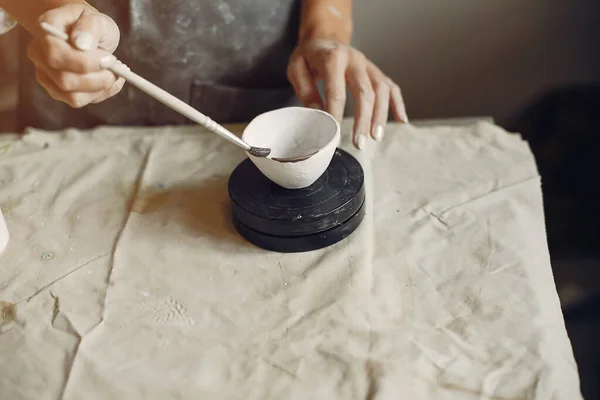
(227, 58)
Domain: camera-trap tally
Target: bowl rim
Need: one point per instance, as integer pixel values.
(305, 109)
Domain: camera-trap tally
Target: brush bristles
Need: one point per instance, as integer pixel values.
(259, 151)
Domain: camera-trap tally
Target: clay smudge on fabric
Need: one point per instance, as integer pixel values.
(147, 199)
(8, 312)
(375, 371)
(4, 148)
(172, 311)
(7, 206)
(147, 202)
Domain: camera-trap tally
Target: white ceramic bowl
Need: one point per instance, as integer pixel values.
(293, 132)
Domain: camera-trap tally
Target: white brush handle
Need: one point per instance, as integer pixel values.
(161, 95)
(174, 103)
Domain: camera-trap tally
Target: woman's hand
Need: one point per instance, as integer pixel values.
(337, 65)
(75, 72)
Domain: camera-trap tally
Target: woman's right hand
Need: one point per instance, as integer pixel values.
(75, 72)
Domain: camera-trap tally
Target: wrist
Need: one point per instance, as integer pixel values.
(338, 34)
(331, 20)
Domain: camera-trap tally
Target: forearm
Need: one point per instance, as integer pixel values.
(27, 12)
(326, 19)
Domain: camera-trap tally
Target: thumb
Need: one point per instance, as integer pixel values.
(92, 30)
(87, 28)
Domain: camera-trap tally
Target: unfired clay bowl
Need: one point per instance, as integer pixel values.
(293, 132)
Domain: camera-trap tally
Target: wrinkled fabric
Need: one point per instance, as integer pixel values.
(127, 279)
(219, 56)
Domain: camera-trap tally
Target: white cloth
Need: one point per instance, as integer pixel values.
(444, 292)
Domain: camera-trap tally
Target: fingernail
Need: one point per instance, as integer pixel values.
(378, 133)
(361, 142)
(315, 106)
(84, 41)
(108, 61)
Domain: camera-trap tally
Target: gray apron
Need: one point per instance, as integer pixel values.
(226, 58)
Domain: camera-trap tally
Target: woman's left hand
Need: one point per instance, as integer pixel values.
(337, 65)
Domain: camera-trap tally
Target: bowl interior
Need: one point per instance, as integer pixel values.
(292, 131)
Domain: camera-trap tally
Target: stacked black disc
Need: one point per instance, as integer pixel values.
(288, 221)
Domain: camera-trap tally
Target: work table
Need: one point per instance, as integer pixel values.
(125, 279)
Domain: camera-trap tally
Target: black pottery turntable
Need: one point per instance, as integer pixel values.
(289, 221)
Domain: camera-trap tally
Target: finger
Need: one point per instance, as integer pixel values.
(112, 91)
(75, 100)
(398, 107)
(364, 96)
(72, 82)
(334, 82)
(382, 102)
(69, 81)
(64, 16)
(60, 55)
(303, 83)
(86, 83)
(87, 27)
(94, 30)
